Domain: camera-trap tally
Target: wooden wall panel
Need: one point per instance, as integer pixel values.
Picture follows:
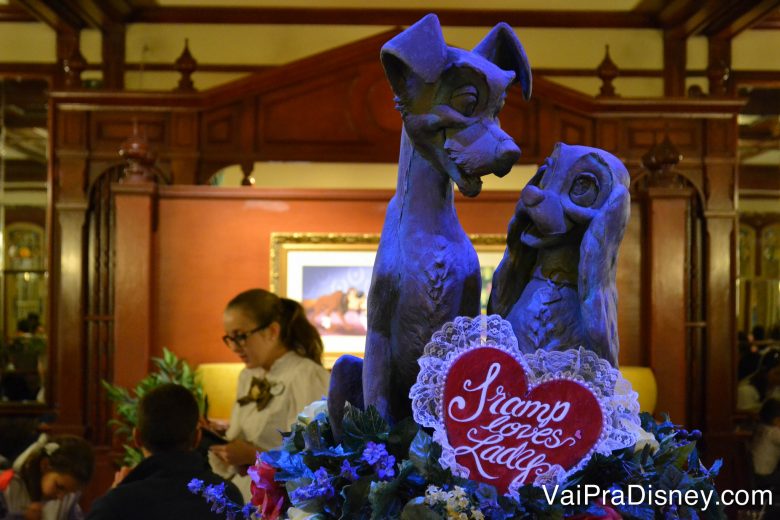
(133, 283)
(219, 129)
(575, 129)
(108, 130)
(299, 115)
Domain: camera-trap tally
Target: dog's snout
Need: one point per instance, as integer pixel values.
(531, 196)
(507, 155)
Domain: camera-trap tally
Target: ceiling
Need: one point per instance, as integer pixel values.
(759, 127)
(723, 18)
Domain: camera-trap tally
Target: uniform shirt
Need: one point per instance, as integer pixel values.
(295, 382)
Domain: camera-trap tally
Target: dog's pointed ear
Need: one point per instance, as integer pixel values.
(419, 50)
(502, 47)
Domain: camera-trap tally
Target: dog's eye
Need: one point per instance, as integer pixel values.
(584, 190)
(464, 100)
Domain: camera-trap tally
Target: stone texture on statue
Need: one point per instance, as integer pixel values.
(426, 270)
(556, 281)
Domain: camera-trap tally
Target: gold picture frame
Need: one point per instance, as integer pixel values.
(329, 273)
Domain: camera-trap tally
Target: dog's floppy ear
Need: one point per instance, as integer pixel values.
(419, 50)
(502, 47)
(513, 272)
(598, 265)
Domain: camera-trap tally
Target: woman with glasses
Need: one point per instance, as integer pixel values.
(282, 352)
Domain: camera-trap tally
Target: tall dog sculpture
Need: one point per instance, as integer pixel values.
(556, 281)
(426, 270)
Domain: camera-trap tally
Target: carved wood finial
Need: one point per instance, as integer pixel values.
(718, 75)
(186, 65)
(140, 159)
(247, 167)
(607, 71)
(660, 161)
(73, 66)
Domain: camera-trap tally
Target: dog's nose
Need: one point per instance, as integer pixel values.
(507, 155)
(531, 196)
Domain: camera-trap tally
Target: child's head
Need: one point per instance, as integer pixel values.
(770, 412)
(167, 419)
(62, 464)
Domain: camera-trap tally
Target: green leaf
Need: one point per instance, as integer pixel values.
(715, 469)
(356, 499)
(360, 427)
(288, 467)
(400, 437)
(312, 437)
(420, 452)
(416, 509)
(636, 512)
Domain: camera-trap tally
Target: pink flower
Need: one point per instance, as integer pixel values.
(267, 494)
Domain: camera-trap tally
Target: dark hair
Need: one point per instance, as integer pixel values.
(297, 333)
(770, 410)
(168, 419)
(759, 333)
(67, 454)
(769, 360)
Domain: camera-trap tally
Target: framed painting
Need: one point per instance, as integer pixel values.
(330, 275)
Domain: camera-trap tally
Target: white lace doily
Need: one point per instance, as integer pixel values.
(619, 403)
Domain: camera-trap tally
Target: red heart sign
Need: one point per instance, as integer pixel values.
(502, 432)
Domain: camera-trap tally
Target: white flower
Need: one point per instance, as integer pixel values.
(312, 410)
(644, 438)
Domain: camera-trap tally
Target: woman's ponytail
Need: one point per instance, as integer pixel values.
(298, 334)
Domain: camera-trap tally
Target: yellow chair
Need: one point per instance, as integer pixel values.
(643, 382)
(219, 381)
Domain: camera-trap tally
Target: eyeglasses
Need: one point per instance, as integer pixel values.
(239, 340)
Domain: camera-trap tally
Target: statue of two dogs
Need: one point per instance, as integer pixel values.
(556, 282)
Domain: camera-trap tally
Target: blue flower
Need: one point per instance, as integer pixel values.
(376, 455)
(195, 486)
(385, 467)
(248, 509)
(214, 493)
(321, 487)
(348, 471)
(374, 452)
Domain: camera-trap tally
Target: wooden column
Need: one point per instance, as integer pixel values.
(67, 46)
(68, 356)
(666, 253)
(135, 199)
(133, 281)
(667, 244)
(675, 59)
(113, 54)
(719, 67)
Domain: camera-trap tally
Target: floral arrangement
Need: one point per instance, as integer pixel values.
(382, 471)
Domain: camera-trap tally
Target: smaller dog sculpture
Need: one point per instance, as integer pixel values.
(426, 270)
(556, 281)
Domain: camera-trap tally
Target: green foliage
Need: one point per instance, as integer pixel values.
(418, 483)
(168, 369)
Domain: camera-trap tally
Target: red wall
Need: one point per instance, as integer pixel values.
(215, 242)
